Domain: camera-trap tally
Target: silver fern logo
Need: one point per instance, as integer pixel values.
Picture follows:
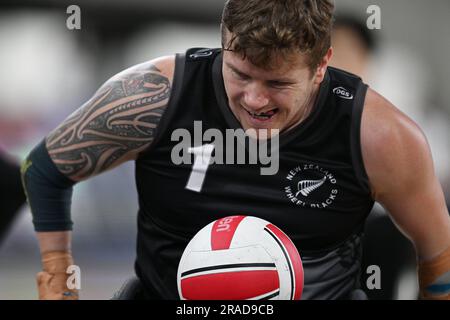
(311, 186)
(305, 187)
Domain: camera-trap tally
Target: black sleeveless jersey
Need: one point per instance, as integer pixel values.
(319, 197)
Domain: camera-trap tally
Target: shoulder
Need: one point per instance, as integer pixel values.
(394, 148)
(164, 66)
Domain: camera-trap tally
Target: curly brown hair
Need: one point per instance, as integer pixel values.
(264, 29)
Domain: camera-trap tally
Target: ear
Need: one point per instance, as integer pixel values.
(322, 68)
(225, 33)
(222, 35)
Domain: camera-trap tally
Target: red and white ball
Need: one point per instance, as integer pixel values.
(240, 258)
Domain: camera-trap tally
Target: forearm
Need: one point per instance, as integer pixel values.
(48, 191)
(49, 194)
(434, 277)
(55, 241)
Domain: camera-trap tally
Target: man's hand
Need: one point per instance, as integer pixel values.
(52, 281)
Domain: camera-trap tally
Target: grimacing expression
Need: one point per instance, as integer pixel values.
(275, 98)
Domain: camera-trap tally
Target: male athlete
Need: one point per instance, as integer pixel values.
(341, 146)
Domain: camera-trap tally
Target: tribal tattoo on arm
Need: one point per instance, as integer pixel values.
(114, 126)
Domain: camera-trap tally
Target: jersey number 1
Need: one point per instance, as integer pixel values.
(202, 156)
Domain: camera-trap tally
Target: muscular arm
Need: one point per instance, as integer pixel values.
(401, 173)
(114, 126)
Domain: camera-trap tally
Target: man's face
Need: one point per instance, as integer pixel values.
(270, 99)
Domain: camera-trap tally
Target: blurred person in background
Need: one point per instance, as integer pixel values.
(132, 116)
(12, 196)
(354, 46)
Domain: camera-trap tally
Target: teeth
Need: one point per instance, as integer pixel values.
(263, 115)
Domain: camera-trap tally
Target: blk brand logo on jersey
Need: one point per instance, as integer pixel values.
(311, 186)
(343, 93)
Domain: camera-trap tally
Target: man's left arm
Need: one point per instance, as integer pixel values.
(400, 168)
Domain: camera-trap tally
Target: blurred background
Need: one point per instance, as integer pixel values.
(47, 71)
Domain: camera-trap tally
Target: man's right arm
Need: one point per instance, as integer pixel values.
(113, 127)
(116, 124)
